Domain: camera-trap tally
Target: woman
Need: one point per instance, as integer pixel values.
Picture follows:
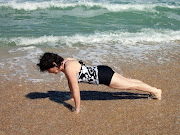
(77, 72)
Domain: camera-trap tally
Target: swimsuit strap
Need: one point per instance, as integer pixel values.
(65, 63)
(81, 62)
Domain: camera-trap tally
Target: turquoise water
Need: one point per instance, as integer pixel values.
(92, 30)
(54, 22)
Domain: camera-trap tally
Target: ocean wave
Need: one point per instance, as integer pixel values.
(29, 6)
(145, 36)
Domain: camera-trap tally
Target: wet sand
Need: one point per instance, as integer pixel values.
(38, 109)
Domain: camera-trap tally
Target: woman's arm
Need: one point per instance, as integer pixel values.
(73, 85)
(71, 91)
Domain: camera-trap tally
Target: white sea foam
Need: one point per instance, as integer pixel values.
(145, 36)
(22, 49)
(34, 41)
(24, 58)
(111, 7)
(22, 65)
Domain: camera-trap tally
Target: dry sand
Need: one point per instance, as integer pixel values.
(36, 109)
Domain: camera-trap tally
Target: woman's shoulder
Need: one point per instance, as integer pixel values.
(72, 64)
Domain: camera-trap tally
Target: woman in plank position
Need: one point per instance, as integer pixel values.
(77, 72)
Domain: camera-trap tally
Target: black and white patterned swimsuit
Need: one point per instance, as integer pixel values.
(95, 74)
(88, 74)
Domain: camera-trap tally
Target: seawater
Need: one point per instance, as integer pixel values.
(91, 30)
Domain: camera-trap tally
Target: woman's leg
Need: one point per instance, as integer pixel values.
(120, 82)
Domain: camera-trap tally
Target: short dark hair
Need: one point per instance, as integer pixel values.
(47, 59)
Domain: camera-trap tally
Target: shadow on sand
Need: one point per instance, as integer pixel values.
(61, 97)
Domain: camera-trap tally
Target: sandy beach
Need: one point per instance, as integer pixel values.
(38, 109)
(139, 39)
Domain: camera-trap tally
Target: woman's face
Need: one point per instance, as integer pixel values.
(54, 70)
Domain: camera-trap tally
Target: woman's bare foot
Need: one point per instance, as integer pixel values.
(158, 94)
